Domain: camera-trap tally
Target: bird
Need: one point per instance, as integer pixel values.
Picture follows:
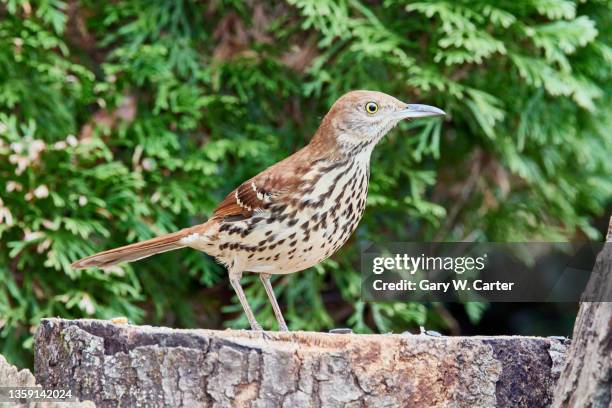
(297, 212)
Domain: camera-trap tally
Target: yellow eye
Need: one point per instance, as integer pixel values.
(371, 107)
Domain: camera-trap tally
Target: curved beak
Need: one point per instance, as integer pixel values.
(420, 111)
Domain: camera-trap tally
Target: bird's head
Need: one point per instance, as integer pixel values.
(360, 119)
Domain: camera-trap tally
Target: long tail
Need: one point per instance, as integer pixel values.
(139, 250)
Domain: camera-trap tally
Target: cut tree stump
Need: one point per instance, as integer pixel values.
(123, 365)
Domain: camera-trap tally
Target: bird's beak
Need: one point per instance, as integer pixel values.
(420, 111)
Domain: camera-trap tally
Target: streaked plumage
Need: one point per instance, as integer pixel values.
(297, 212)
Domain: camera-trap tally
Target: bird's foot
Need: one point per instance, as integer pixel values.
(256, 328)
(264, 335)
(283, 327)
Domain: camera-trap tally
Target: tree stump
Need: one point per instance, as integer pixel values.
(123, 365)
(586, 380)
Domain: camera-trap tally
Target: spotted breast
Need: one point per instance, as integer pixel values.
(282, 232)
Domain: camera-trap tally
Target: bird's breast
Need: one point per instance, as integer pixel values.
(305, 227)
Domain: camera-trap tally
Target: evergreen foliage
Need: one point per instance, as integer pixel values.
(126, 119)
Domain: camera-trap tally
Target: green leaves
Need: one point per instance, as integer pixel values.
(555, 9)
(563, 38)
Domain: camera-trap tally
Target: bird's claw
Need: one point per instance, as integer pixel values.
(264, 335)
(256, 328)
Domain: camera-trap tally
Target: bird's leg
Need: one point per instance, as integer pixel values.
(265, 279)
(235, 281)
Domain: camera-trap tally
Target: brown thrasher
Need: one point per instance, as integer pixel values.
(296, 213)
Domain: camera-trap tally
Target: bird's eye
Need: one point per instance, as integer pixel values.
(371, 107)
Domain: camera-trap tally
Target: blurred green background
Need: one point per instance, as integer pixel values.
(126, 119)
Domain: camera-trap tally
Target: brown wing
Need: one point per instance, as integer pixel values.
(270, 186)
(256, 194)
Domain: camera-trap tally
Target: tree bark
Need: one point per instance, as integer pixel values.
(586, 380)
(11, 376)
(123, 365)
